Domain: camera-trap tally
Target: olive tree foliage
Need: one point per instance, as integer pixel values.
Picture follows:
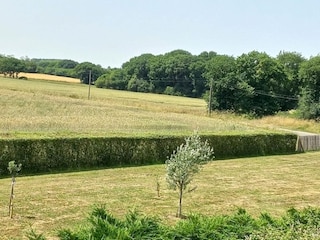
(185, 162)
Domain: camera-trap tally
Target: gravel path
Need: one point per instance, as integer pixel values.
(299, 133)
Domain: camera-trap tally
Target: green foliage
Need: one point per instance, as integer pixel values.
(291, 62)
(186, 161)
(58, 67)
(295, 224)
(14, 168)
(254, 84)
(236, 226)
(139, 85)
(112, 79)
(82, 71)
(10, 66)
(102, 225)
(47, 155)
(267, 77)
(309, 103)
(32, 235)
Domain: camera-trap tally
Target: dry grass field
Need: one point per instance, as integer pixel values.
(37, 108)
(42, 108)
(265, 184)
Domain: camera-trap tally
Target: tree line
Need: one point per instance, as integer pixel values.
(11, 67)
(254, 83)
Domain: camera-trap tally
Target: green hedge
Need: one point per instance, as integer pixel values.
(47, 155)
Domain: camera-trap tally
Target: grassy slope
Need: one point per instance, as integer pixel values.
(46, 108)
(271, 184)
(37, 108)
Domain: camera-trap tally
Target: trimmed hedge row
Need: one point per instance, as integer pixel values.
(47, 155)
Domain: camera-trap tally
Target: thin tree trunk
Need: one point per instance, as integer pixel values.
(11, 197)
(180, 201)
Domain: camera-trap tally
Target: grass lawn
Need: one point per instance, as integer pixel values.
(264, 184)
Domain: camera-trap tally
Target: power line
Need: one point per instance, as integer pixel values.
(274, 95)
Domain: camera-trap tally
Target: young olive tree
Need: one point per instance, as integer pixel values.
(14, 169)
(185, 162)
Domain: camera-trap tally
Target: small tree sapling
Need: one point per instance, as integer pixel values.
(185, 162)
(14, 169)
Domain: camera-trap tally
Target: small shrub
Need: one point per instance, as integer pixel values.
(185, 162)
(32, 235)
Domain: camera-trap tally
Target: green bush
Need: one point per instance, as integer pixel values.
(295, 224)
(235, 226)
(102, 225)
(47, 155)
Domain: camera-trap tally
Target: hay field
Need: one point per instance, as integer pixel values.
(37, 108)
(49, 77)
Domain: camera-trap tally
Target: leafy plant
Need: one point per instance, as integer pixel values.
(32, 235)
(295, 224)
(185, 162)
(14, 169)
(104, 226)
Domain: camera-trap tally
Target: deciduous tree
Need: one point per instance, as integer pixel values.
(82, 71)
(309, 104)
(266, 76)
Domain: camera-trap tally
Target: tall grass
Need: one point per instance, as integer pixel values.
(42, 108)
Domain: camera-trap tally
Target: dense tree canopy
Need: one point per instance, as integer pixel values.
(83, 70)
(310, 77)
(11, 67)
(291, 62)
(112, 79)
(266, 76)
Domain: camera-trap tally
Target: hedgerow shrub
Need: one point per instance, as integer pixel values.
(47, 155)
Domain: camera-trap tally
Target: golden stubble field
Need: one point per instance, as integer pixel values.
(49, 77)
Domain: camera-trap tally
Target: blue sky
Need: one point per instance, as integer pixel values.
(110, 32)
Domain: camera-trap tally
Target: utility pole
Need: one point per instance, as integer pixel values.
(89, 85)
(210, 97)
